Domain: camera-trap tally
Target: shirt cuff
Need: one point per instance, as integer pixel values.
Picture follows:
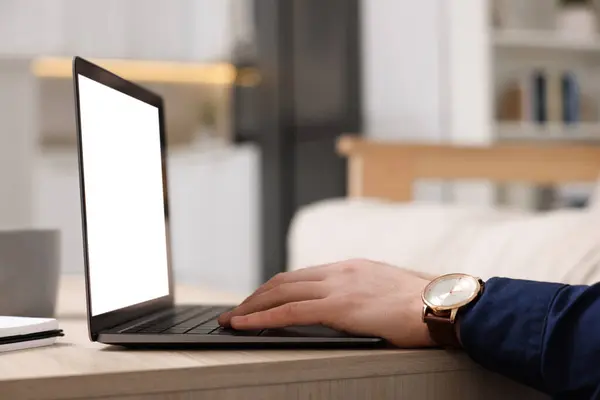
(503, 330)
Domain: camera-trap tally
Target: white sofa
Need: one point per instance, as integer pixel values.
(562, 245)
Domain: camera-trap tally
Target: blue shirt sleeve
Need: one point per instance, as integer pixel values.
(544, 335)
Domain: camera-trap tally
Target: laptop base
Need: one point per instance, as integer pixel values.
(211, 342)
(196, 326)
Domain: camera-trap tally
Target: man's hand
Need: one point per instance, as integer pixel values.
(358, 296)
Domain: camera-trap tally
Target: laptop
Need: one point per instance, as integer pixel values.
(125, 220)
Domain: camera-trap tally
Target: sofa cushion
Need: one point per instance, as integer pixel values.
(559, 246)
(404, 234)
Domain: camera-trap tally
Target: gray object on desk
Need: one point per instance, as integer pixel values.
(29, 272)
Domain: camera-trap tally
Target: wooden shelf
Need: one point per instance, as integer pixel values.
(152, 71)
(585, 132)
(543, 40)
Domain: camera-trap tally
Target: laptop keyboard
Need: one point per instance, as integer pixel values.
(202, 320)
(193, 320)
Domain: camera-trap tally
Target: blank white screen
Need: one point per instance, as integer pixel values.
(126, 228)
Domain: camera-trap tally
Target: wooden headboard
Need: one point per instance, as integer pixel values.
(388, 170)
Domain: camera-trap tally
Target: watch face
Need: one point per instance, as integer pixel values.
(450, 291)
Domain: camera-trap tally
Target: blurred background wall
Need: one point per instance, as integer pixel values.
(172, 30)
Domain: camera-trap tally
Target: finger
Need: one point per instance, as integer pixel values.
(282, 294)
(309, 312)
(314, 273)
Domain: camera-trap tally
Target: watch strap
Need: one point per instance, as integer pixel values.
(442, 330)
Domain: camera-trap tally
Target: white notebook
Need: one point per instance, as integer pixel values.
(18, 333)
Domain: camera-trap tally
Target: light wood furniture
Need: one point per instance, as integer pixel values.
(143, 71)
(389, 170)
(76, 369)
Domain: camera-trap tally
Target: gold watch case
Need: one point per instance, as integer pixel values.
(446, 294)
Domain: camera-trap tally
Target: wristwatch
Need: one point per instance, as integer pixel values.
(442, 299)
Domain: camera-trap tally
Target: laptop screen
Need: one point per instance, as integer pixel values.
(125, 216)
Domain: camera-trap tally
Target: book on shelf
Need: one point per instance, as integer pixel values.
(543, 97)
(571, 97)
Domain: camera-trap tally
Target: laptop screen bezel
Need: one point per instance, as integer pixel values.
(102, 322)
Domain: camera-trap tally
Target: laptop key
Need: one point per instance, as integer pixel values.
(185, 328)
(214, 323)
(206, 328)
(176, 330)
(202, 320)
(145, 323)
(175, 319)
(202, 323)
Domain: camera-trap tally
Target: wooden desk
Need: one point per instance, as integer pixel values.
(78, 369)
